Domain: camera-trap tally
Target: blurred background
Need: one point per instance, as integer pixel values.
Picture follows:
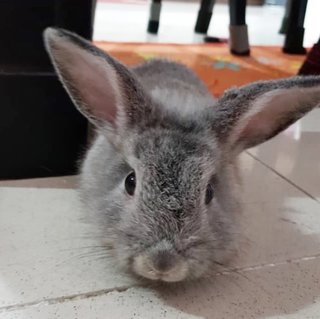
(178, 18)
(41, 132)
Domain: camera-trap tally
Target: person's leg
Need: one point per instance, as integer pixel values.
(204, 16)
(239, 43)
(295, 30)
(284, 24)
(154, 18)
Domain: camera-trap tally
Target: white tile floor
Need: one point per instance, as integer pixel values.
(47, 269)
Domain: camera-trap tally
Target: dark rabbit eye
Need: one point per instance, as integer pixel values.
(209, 194)
(130, 183)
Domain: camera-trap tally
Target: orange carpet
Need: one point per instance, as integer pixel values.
(213, 62)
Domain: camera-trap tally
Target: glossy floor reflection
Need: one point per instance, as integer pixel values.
(48, 270)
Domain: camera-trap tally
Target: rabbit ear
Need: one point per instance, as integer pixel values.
(102, 88)
(252, 114)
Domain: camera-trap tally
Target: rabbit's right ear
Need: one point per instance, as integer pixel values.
(103, 89)
(254, 113)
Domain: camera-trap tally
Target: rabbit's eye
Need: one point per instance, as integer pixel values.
(209, 194)
(130, 183)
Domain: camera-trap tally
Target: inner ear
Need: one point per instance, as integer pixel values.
(96, 83)
(269, 115)
(92, 83)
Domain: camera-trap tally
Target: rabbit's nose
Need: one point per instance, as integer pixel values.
(163, 261)
(161, 265)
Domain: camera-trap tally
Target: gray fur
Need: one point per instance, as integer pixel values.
(174, 137)
(237, 101)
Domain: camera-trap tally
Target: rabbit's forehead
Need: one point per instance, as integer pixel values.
(171, 180)
(175, 155)
(170, 145)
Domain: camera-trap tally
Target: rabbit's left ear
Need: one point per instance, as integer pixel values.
(102, 88)
(252, 114)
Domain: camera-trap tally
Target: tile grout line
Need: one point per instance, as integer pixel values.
(102, 292)
(268, 265)
(283, 177)
(57, 300)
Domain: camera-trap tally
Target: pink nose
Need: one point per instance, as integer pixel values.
(161, 262)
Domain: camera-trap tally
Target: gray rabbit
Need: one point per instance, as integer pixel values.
(160, 180)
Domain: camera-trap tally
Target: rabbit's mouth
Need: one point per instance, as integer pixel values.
(167, 268)
(161, 262)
